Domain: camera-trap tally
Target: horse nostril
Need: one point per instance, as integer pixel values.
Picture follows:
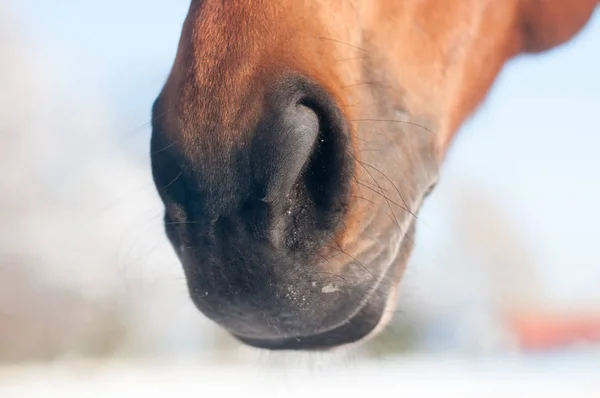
(328, 170)
(290, 135)
(303, 161)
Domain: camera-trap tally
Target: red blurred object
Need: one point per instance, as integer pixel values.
(550, 331)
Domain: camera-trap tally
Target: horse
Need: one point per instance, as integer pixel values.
(294, 142)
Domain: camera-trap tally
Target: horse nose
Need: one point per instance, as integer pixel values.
(250, 203)
(301, 149)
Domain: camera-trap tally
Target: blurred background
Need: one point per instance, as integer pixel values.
(505, 267)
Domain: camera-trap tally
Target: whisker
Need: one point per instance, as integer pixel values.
(383, 196)
(382, 84)
(350, 59)
(332, 274)
(323, 257)
(174, 180)
(342, 42)
(334, 255)
(164, 149)
(392, 216)
(394, 185)
(352, 257)
(394, 121)
(360, 197)
(182, 222)
(362, 182)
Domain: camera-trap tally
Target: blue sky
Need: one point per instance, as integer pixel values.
(533, 145)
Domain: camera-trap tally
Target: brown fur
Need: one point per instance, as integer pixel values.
(444, 54)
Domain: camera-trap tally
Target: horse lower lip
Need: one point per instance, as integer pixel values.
(360, 325)
(356, 328)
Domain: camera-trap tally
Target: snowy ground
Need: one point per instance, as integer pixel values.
(410, 377)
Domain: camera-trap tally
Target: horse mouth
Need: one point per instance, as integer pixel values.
(369, 318)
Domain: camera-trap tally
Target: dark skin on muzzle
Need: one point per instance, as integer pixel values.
(295, 141)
